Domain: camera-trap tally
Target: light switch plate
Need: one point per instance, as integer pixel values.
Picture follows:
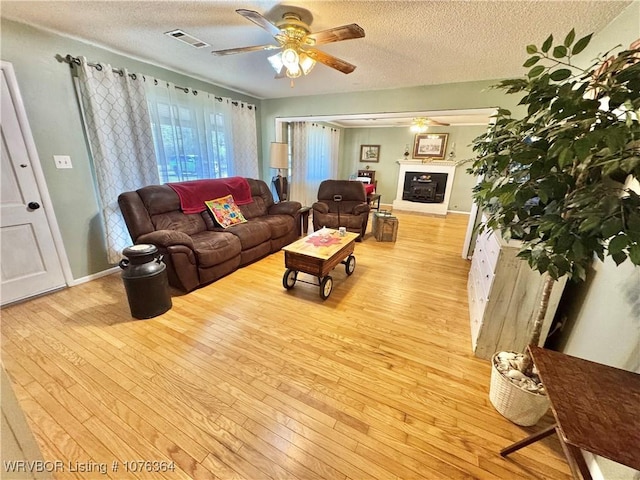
(62, 161)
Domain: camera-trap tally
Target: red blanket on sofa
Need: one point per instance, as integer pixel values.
(194, 193)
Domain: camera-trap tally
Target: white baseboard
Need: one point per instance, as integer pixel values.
(88, 278)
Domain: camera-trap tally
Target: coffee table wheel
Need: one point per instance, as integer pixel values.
(326, 285)
(289, 278)
(350, 264)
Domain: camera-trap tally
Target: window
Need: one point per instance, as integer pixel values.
(193, 135)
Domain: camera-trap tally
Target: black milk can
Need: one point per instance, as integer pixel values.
(145, 281)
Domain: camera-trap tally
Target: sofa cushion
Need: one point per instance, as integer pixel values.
(257, 208)
(251, 233)
(159, 199)
(213, 248)
(280, 225)
(176, 220)
(225, 211)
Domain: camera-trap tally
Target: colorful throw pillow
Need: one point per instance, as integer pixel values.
(225, 211)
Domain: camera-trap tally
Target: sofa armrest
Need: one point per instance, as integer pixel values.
(285, 208)
(166, 238)
(320, 207)
(362, 208)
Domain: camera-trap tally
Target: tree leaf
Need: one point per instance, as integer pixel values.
(531, 61)
(582, 147)
(618, 243)
(633, 222)
(610, 227)
(634, 254)
(578, 250)
(561, 74)
(565, 158)
(552, 270)
(571, 36)
(531, 49)
(579, 272)
(536, 71)
(589, 223)
(562, 263)
(560, 51)
(619, 257)
(581, 44)
(542, 264)
(547, 44)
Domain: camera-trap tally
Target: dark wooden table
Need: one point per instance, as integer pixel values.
(304, 220)
(374, 198)
(596, 407)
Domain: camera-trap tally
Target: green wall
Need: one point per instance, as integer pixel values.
(453, 96)
(392, 143)
(48, 93)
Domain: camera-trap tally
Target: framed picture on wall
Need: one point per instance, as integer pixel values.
(430, 145)
(369, 153)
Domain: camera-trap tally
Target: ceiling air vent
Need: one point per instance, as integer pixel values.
(186, 38)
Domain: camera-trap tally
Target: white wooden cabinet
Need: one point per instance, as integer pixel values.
(504, 295)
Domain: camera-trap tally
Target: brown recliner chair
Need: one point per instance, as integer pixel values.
(354, 209)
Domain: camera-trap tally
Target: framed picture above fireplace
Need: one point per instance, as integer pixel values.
(430, 145)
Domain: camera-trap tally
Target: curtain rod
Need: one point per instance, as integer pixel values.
(73, 61)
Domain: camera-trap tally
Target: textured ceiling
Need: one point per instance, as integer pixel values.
(408, 43)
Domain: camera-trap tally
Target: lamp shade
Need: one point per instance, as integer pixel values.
(279, 155)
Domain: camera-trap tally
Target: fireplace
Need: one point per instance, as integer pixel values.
(424, 187)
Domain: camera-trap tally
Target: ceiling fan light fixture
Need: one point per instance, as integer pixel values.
(294, 72)
(419, 125)
(290, 58)
(306, 63)
(294, 37)
(276, 62)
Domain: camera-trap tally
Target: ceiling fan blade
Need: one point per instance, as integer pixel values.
(259, 20)
(330, 60)
(431, 121)
(337, 34)
(255, 48)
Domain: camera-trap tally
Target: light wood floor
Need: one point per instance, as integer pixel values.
(243, 379)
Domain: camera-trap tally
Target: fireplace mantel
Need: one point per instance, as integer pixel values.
(440, 163)
(434, 166)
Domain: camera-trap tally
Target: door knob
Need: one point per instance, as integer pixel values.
(33, 205)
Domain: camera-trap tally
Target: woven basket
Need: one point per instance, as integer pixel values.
(514, 403)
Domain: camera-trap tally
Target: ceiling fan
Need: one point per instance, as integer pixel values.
(421, 124)
(296, 42)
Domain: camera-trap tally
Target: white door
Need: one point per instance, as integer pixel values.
(28, 255)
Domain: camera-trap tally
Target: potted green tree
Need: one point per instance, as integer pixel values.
(558, 179)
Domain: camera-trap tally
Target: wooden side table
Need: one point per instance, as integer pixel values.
(304, 220)
(374, 198)
(385, 227)
(596, 407)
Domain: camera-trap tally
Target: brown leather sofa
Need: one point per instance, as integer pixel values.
(354, 208)
(196, 250)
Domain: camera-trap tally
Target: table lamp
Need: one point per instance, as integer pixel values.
(279, 159)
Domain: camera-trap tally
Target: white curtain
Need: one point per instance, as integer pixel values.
(315, 158)
(244, 139)
(198, 135)
(119, 134)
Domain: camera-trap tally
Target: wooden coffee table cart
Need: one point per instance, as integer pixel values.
(317, 254)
